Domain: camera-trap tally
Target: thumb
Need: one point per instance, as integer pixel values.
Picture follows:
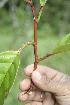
(46, 84)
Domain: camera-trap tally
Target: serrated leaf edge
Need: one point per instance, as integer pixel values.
(8, 70)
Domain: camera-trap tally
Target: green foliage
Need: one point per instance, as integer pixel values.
(9, 63)
(42, 2)
(63, 45)
(55, 14)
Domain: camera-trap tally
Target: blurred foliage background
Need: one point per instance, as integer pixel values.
(16, 27)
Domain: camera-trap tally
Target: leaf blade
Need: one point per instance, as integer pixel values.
(8, 76)
(63, 45)
(42, 2)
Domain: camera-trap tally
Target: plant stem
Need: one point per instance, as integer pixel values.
(46, 56)
(35, 36)
(35, 44)
(35, 33)
(40, 12)
(24, 45)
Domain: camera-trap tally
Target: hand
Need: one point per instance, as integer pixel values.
(50, 87)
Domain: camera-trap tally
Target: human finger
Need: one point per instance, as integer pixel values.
(34, 103)
(26, 84)
(31, 96)
(29, 69)
(23, 97)
(49, 100)
(48, 72)
(46, 84)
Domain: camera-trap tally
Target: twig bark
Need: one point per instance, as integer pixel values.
(35, 33)
(46, 56)
(24, 45)
(40, 12)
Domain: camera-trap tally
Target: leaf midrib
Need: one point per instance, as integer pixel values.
(9, 68)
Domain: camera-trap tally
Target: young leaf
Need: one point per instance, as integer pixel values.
(42, 2)
(9, 63)
(63, 45)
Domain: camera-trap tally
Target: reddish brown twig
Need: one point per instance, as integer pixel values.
(35, 42)
(46, 56)
(35, 33)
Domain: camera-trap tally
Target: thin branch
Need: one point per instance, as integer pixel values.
(46, 56)
(35, 44)
(31, 4)
(24, 45)
(2, 3)
(40, 12)
(35, 33)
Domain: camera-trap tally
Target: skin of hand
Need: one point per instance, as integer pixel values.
(50, 87)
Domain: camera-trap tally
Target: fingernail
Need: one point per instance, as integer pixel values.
(37, 75)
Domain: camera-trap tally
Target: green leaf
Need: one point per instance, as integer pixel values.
(63, 45)
(9, 63)
(42, 2)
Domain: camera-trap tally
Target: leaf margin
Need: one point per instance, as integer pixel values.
(18, 54)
